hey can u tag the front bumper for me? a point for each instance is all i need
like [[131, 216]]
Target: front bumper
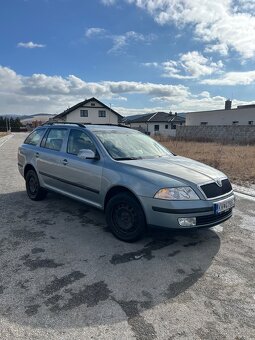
[[165, 214]]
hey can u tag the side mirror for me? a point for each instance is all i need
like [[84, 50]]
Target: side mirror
[[87, 154]]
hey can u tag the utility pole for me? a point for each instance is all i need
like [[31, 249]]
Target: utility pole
[[8, 124]]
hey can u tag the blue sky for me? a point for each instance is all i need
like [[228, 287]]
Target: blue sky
[[135, 55]]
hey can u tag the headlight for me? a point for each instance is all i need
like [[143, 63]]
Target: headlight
[[179, 193]]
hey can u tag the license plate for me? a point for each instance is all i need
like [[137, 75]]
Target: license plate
[[225, 205]]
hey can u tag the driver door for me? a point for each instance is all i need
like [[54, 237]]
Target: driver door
[[82, 176]]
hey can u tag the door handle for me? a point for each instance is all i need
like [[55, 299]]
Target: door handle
[[37, 154], [65, 162]]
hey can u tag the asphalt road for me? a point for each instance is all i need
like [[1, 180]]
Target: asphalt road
[[64, 276]]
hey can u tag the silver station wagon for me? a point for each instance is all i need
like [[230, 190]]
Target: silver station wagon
[[134, 179]]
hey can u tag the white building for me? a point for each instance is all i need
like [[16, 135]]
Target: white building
[[242, 115], [90, 111], [157, 123]]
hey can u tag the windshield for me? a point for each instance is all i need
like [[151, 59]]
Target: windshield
[[130, 145]]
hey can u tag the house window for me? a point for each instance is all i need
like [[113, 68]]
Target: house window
[[93, 104], [235, 122], [156, 127], [166, 126], [84, 113], [250, 122], [101, 113], [204, 123], [173, 126]]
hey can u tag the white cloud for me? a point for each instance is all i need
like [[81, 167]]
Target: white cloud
[[119, 41], [244, 6], [227, 22], [108, 2], [191, 65], [232, 78], [222, 49], [153, 64], [94, 31], [30, 44], [53, 94]]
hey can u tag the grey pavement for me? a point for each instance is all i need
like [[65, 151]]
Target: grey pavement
[[64, 276]]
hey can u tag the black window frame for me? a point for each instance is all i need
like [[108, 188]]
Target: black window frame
[[166, 126], [100, 115], [156, 129], [84, 111]]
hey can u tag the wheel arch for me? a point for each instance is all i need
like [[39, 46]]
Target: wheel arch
[[121, 189], [27, 168]]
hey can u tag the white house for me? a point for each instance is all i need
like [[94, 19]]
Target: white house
[[157, 123], [242, 115], [90, 111]]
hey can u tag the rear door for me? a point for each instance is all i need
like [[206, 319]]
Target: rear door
[[50, 157]]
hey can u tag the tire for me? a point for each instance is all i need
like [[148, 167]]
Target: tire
[[34, 191], [125, 217]]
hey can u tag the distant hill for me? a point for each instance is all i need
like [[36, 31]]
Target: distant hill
[[35, 115], [22, 116]]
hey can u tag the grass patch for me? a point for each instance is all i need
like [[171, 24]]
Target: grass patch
[[236, 161]]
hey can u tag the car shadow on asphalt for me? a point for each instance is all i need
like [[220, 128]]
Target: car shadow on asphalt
[[61, 268]]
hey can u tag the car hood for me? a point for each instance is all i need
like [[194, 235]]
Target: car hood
[[180, 168]]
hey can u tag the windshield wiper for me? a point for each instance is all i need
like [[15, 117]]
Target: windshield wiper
[[127, 158]]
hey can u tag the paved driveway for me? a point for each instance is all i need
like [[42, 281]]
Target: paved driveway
[[64, 276]]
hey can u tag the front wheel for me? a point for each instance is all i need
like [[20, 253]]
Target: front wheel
[[125, 217], [34, 191]]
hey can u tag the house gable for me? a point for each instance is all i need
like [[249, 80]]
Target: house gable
[[93, 110]]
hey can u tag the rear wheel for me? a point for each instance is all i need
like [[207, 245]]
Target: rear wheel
[[34, 191], [125, 217]]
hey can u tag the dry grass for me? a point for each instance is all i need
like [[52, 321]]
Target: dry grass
[[2, 134], [236, 161]]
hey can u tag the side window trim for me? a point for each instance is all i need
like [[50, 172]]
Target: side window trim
[[43, 141]]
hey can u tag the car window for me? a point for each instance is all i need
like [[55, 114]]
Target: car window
[[79, 140], [55, 139], [34, 137]]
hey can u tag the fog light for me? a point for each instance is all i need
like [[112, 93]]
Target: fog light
[[187, 221]]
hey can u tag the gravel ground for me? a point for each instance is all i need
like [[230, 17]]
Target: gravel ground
[[64, 276]]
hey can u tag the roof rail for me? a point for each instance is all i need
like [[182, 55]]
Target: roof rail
[[65, 123]]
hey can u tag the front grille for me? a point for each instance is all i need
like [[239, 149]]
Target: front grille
[[213, 190], [208, 219]]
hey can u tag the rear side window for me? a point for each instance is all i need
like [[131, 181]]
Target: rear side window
[[55, 139], [34, 137]]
